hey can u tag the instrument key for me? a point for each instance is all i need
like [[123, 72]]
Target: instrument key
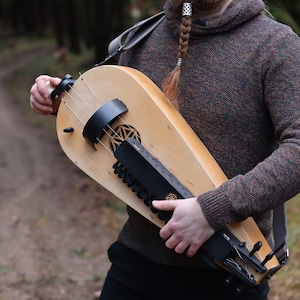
[[256, 248]]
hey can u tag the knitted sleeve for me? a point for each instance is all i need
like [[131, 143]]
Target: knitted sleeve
[[277, 178]]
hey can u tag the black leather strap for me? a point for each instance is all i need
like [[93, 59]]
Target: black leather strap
[[132, 36]]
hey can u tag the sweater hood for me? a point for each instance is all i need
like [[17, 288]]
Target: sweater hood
[[237, 13]]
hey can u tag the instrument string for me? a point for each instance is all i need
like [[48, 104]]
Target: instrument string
[[103, 102], [86, 108], [90, 88], [76, 100], [79, 99], [76, 103], [80, 104], [86, 105], [73, 112], [105, 147]]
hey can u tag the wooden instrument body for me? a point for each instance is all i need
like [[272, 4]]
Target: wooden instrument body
[[163, 132]]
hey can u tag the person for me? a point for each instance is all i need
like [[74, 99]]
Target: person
[[235, 78]]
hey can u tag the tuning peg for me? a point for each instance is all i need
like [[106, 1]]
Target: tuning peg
[[268, 257], [256, 248]]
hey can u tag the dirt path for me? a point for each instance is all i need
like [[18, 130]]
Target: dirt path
[[55, 224]]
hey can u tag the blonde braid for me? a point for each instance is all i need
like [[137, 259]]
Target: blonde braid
[[170, 85]]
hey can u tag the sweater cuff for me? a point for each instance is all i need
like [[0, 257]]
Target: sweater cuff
[[216, 208]]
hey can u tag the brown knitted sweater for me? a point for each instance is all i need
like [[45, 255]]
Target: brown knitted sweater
[[240, 92]]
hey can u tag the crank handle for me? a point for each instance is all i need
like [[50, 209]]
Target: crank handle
[[56, 92]]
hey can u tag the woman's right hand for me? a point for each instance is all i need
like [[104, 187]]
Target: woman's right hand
[[40, 100]]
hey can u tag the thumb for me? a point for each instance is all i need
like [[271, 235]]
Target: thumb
[[54, 81], [165, 205]]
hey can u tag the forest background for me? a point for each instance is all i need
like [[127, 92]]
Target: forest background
[[55, 222], [79, 24]]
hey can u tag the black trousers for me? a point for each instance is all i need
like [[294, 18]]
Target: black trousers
[[133, 277]]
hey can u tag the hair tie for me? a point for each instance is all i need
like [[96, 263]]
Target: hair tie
[[179, 62], [187, 9]]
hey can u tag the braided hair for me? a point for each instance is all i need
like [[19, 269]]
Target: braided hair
[[170, 85]]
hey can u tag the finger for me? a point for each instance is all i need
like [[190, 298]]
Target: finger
[[165, 205], [40, 84], [42, 87], [181, 247], [40, 108], [41, 99], [51, 84], [55, 81], [192, 250], [36, 97], [168, 232], [39, 93]]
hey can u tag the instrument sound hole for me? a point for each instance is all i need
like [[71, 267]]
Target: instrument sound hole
[[122, 133]]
